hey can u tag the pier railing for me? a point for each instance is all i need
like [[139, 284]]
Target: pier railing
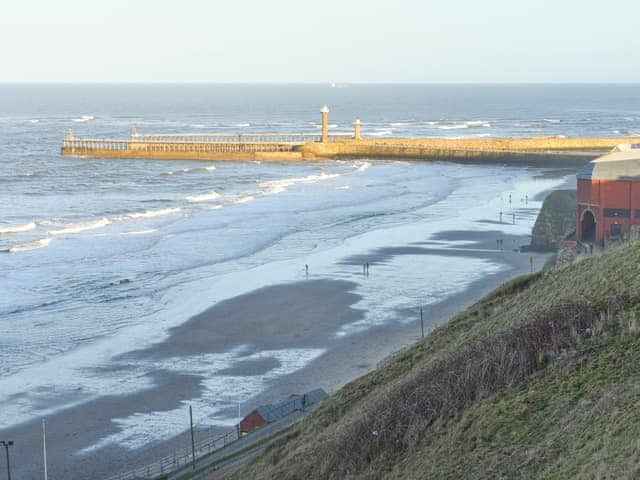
[[194, 143], [80, 146], [94, 144], [293, 138], [179, 460]]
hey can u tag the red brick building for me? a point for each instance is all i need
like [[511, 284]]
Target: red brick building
[[609, 196]]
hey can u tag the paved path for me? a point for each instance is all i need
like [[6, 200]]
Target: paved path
[[241, 444]]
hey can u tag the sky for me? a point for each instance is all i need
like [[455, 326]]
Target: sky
[[432, 41]]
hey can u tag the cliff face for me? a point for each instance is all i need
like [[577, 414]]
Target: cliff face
[[537, 380], [557, 219]]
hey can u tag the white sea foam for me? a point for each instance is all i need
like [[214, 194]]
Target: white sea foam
[[34, 120], [551, 120], [242, 125], [382, 133], [83, 118], [215, 207], [453, 125], [154, 213], [243, 199], [198, 125], [362, 166], [8, 229], [219, 393], [140, 232], [204, 197], [25, 247], [478, 123], [210, 168], [273, 187], [400, 124], [81, 227]]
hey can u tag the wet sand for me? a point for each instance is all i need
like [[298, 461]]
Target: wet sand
[[301, 314]]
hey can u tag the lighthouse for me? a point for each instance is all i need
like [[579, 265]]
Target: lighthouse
[[325, 124]]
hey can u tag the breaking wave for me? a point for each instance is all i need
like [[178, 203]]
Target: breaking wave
[[140, 232], [154, 213], [25, 247], [83, 118], [204, 197], [243, 199], [361, 167], [274, 187], [478, 123], [382, 133], [17, 228], [81, 227]]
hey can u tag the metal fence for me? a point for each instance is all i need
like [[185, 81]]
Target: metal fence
[[178, 460]]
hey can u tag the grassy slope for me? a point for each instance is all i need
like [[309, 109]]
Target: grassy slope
[[578, 417]]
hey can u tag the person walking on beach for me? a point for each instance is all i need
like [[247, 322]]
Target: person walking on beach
[[367, 269], [514, 218], [306, 269], [509, 198], [500, 217]]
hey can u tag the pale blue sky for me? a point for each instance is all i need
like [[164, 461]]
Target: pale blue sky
[[320, 41]]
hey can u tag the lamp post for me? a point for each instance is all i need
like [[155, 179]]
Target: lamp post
[[6, 444]]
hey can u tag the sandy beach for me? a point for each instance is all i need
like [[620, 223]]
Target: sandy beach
[[275, 330], [305, 314]]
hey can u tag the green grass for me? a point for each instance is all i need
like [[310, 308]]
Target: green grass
[[251, 446], [576, 418]]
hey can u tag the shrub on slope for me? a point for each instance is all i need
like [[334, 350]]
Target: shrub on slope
[[524, 341]]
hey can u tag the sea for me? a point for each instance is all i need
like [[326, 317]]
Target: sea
[[102, 257]]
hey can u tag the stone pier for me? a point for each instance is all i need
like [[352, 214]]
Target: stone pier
[[309, 146]]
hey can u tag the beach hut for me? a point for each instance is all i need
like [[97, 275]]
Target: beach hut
[[269, 413], [609, 196]]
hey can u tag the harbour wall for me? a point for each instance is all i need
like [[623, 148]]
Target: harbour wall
[[538, 151], [169, 154]]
